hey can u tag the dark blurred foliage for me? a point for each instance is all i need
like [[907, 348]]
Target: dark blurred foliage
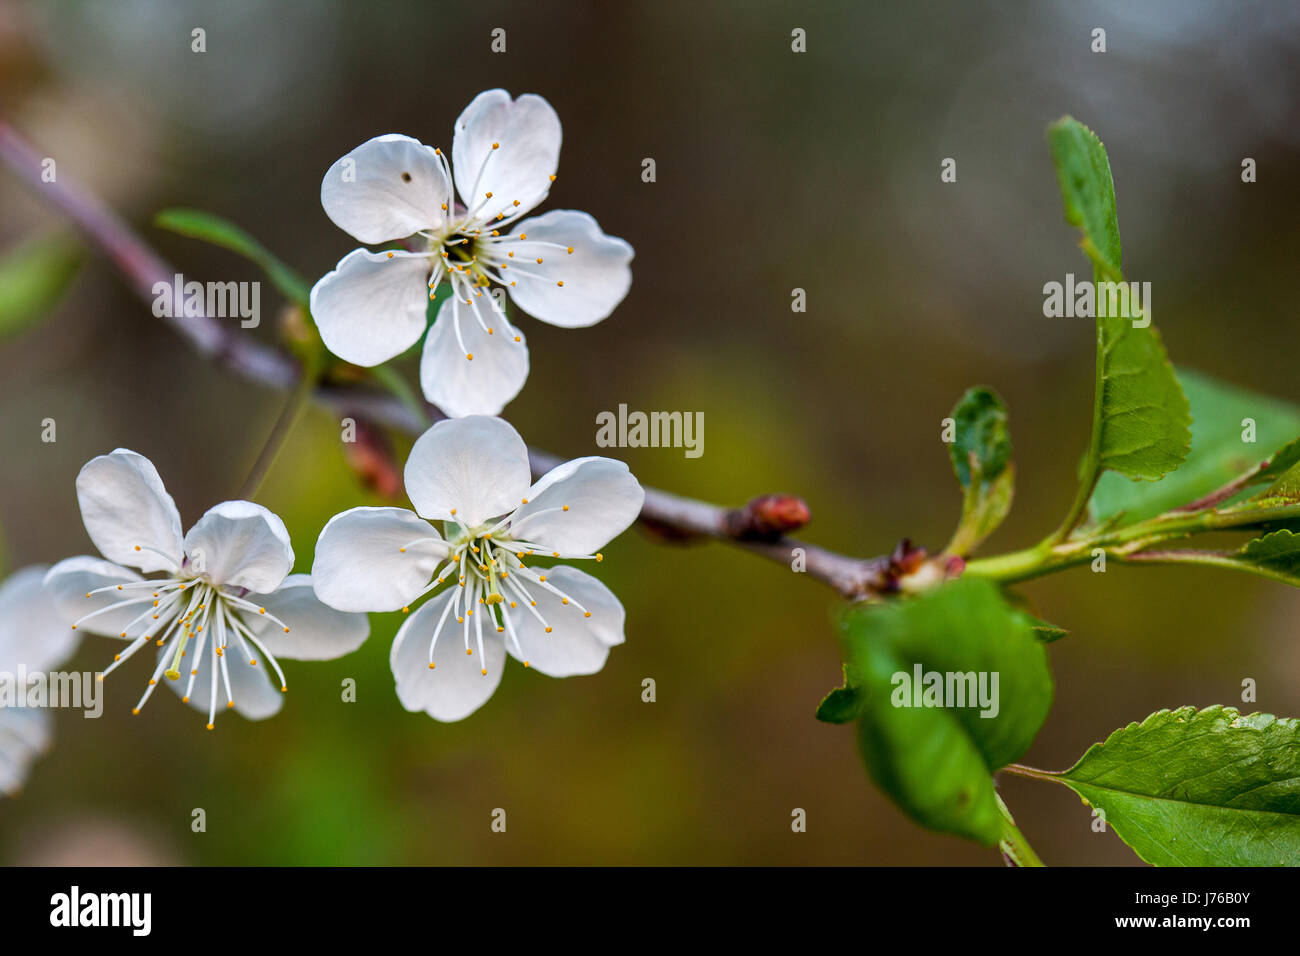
[[775, 170]]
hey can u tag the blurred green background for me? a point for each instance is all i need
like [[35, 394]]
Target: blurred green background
[[775, 170]]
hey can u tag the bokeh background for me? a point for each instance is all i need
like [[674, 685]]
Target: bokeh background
[[775, 170]]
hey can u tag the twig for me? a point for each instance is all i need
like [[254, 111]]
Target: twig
[[673, 516]]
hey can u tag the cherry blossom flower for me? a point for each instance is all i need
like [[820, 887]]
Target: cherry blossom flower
[[559, 267], [225, 591], [471, 475], [32, 637]]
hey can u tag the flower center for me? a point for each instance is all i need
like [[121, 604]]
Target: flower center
[[493, 578], [185, 613]]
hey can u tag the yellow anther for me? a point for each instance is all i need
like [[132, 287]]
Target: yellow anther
[[552, 177], [548, 630], [432, 665], [560, 283], [469, 356], [496, 145], [390, 255], [586, 614], [570, 250], [210, 727], [564, 507]]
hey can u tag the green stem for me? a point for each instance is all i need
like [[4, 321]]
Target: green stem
[[1046, 558], [1091, 471], [280, 432], [1013, 844]]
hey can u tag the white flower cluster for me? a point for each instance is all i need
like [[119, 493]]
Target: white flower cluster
[[219, 606]]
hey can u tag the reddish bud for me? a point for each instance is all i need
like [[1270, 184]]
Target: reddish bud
[[372, 459], [768, 516]]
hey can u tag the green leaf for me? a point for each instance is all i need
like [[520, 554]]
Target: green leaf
[[937, 762], [197, 224], [1281, 470], [1140, 415], [981, 460], [1218, 454], [33, 277], [1087, 190], [839, 706], [981, 445], [1199, 788], [1047, 633]]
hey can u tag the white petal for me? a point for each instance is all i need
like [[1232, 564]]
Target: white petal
[[240, 544], [127, 512], [602, 496], [32, 631], [316, 632], [360, 565], [527, 136], [254, 688], [576, 644], [595, 276], [387, 188], [457, 686], [25, 733], [70, 580], [479, 386], [467, 470], [372, 308]]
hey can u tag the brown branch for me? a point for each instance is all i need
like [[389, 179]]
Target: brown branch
[[671, 516]]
